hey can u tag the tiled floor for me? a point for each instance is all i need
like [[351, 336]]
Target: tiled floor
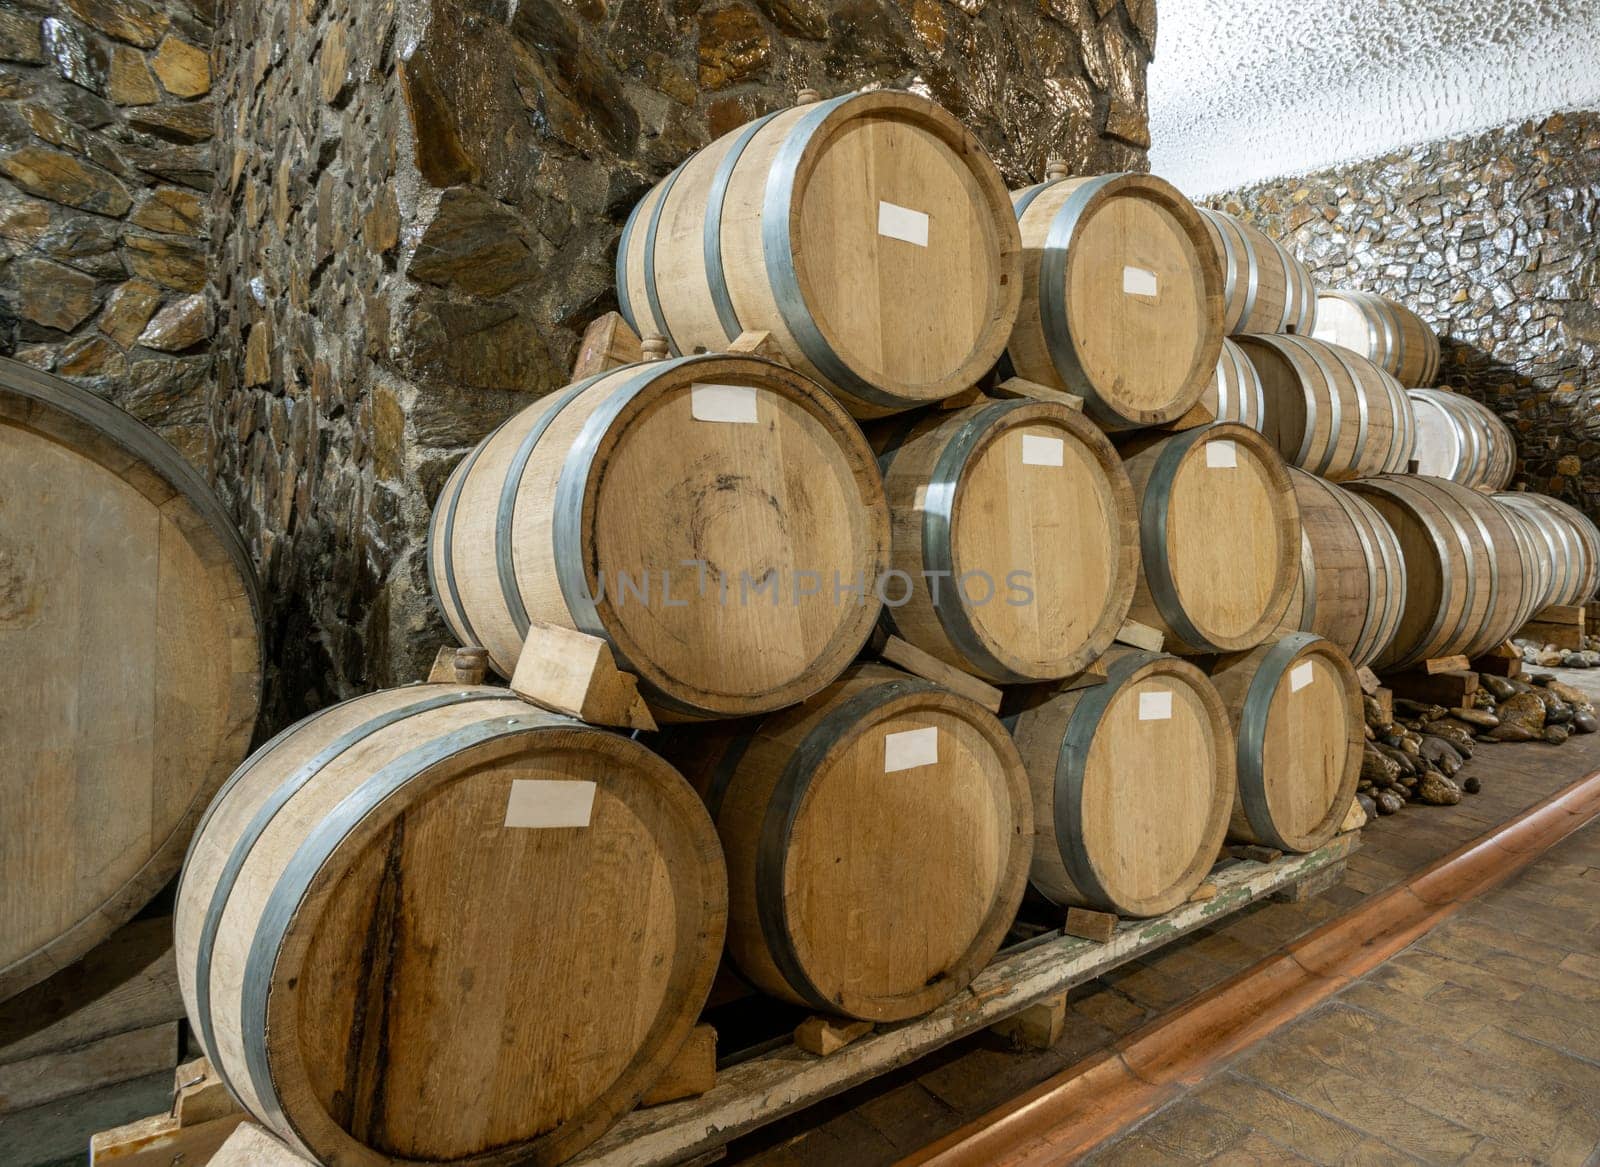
[[883, 1120]]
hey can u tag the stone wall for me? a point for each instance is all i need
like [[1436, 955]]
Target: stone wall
[[417, 215], [1495, 241], [105, 165]]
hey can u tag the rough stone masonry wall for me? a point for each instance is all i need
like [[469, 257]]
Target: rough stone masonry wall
[[1495, 241], [105, 165], [417, 212]]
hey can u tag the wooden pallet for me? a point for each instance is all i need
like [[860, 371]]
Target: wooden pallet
[[753, 1092]]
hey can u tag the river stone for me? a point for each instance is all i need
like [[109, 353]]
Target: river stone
[[1555, 734], [1584, 721], [1471, 785], [1437, 790], [1523, 709], [1388, 802], [1498, 686], [1377, 766]]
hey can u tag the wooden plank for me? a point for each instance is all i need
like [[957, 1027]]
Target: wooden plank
[[1563, 632], [755, 1092], [61, 1074], [162, 1141], [251, 1146], [930, 668], [1015, 387], [1141, 636], [1561, 614], [1441, 688]]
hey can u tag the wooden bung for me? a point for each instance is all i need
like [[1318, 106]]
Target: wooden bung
[[718, 520], [1295, 707], [1219, 536], [1133, 784], [1385, 332], [130, 638], [1330, 411], [1014, 528], [1462, 440], [1121, 297], [1264, 287], [1468, 586], [877, 839], [1352, 584], [398, 914], [870, 234]]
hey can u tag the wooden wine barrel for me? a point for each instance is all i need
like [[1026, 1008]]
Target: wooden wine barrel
[[1467, 586], [695, 513], [1330, 411], [1014, 536], [870, 234], [1462, 440], [1264, 287], [130, 639], [1352, 583], [1133, 783], [1121, 296], [1235, 392], [1389, 334], [1565, 541], [1219, 537], [877, 839], [438, 925], [1296, 711]]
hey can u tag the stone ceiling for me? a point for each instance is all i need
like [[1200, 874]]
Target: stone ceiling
[[1245, 90]]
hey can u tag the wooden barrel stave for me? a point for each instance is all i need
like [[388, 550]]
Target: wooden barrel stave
[[720, 246], [130, 627], [1235, 393], [965, 499], [404, 805], [1133, 784], [1139, 353], [521, 531], [1265, 288], [1296, 712], [1385, 332], [1462, 440], [1565, 539]]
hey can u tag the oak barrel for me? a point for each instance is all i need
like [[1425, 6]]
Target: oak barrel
[[1219, 537], [1565, 541], [1468, 585], [877, 839], [130, 643], [1121, 297], [1015, 545], [1133, 783], [1331, 411], [1462, 440], [1235, 393], [438, 925], [870, 234], [1387, 333], [1265, 288], [1352, 584], [1296, 712], [700, 514]]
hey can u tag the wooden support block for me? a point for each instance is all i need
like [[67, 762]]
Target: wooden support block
[[691, 1073], [1504, 660], [162, 1141], [1354, 819], [825, 1035], [961, 400], [608, 343], [930, 668], [569, 672], [199, 1094], [1312, 885], [1037, 1027], [1560, 614], [1443, 664], [1206, 891], [1141, 636], [758, 344], [1447, 688], [1088, 925], [1015, 387], [1095, 674], [1255, 854], [251, 1146], [1199, 414], [61, 1074], [1385, 699], [1561, 625], [459, 666], [1369, 681]]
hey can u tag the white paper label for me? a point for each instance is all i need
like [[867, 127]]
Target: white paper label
[[1038, 451], [1136, 281], [911, 748], [1221, 455], [1300, 676], [537, 802], [735, 403], [902, 223], [1155, 706]]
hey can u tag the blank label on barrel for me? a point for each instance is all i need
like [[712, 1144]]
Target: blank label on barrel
[[1138, 281], [1155, 706], [539, 802], [1042, 451], [1221, 455], [1300, 676], [902, 223], [731, 403], [910, 748]]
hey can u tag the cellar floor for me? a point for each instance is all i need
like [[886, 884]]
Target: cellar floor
[[1555, 899]]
